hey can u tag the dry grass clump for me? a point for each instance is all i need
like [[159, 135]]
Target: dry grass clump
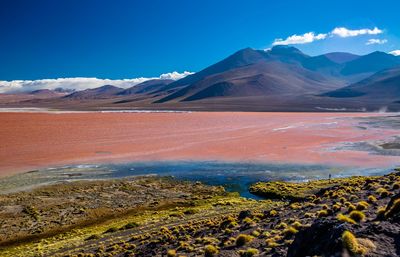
[[336, 207], [295, 206], [350, 242], [248, 221], [243, 239], [343, 218], [396, 186], [297, 225], [357, 246], [350, 206], [371, 199], [171, 253], [325, 207], [249, 252], [281, 225], [357, 216], [394, 209], [273, 213], [382, 192], [255, 233], [362, 205], [380, 213], [210, 250], [322, 213], [308, 215], [290, 231], [271, 243], [229, 222]]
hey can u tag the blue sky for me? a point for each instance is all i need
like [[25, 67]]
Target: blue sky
[[128, 39]]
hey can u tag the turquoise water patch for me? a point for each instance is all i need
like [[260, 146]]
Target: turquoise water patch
[[234, 176]]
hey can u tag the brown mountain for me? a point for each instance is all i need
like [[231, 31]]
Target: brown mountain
[[46, 93], [282, 71], [148, 86], [282, 78], [274, 79], [107, 91]]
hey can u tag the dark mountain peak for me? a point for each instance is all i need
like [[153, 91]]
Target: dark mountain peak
[[283, 49], [371, 63], [288, 54], [378, 53], [105, 88], [246, 50], [238, 59], [246, 56]]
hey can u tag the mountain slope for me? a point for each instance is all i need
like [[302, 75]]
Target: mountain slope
[[146, 87], [382, 85], [46, 93], [260, 79], [370, 63], [240, 58], [341, 57], [102, 92]]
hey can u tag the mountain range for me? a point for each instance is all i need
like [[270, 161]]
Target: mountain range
[[279, 79]]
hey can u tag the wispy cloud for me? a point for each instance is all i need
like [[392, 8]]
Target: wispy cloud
[[375, 41], [341, 32], [300, 39], [175, 75], [345, 32], [395, 52], [79, 83]]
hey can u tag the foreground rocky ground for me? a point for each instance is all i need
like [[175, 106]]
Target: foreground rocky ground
[[152, 216]]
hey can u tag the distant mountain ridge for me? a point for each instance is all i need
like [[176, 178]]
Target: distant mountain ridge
[[341, 57], [95, 93], [303, 71], [382, 85], [281, 78]]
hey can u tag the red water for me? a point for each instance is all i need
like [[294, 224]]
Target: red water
[[37, 140]]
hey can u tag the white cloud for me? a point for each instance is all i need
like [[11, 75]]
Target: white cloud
[[375, 41], [79, 83], [338, 32], [175, 75], [395, 52], [299, 39], [345, 32]]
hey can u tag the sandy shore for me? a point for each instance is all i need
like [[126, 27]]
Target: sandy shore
[[37, 140]]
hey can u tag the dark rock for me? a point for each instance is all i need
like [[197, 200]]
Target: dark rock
[[245, 214], [323, 238]]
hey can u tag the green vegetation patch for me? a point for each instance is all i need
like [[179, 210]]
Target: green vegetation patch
[[299, 191]]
